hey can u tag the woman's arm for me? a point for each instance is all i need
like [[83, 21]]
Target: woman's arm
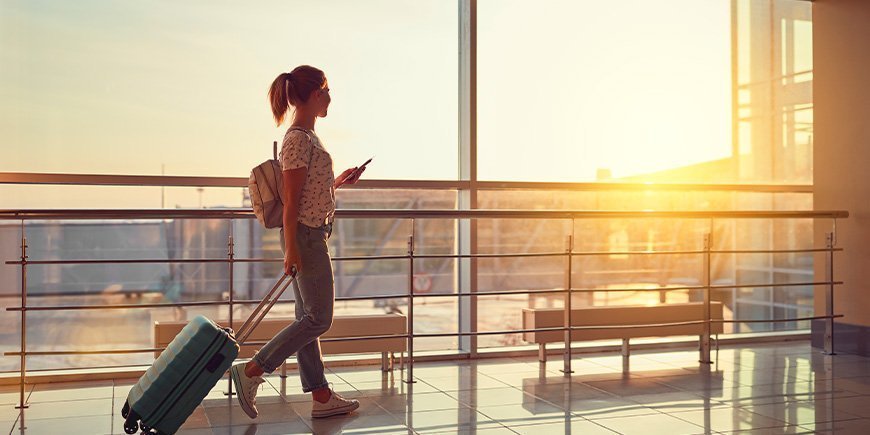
[[293, 180]]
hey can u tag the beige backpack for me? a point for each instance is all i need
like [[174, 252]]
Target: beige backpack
[[266, 188]]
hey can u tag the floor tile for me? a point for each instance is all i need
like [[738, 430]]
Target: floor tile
[[632, 387], [72, 408], [419, 402], [791, 429], [85, 425], [652, 424], [518, 415], [845, 427], [463, 383], [799, 413], [675, 402], [727, 419], [574, 426], [608, 408], [67, 391], [491, 397], [445, 420]]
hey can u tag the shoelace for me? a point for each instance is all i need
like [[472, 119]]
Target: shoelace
[[252, 388]]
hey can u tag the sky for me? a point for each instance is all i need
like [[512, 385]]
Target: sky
[[565, 88]]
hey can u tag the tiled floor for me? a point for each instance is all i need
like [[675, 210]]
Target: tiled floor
[[788, 388]]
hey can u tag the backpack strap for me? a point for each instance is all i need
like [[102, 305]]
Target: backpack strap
[[310, 149]]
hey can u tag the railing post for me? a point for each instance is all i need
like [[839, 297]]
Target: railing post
[[410, 377], [705, 336], [566, 369], [829, 294], [231, 262], [23, 347]]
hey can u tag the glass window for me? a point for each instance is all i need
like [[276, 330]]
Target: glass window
[[631, 90], [180, 88]]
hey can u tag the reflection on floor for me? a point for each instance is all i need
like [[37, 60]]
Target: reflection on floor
[[786, 388]]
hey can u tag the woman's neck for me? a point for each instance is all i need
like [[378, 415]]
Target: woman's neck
[[303, 120]]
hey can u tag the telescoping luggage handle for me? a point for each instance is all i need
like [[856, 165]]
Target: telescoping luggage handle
[[260, 313]]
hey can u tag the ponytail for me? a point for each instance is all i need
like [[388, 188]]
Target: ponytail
[[294, 88], [278, 97]]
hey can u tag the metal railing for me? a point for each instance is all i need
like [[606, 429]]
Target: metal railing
[[413, 215]]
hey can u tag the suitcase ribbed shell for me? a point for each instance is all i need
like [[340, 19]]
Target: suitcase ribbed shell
[[172, 388]]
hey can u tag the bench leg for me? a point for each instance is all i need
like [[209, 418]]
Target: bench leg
[[284, 370], [384, 362], [542, 352], [626, 350], [392, 361], [401, 361]]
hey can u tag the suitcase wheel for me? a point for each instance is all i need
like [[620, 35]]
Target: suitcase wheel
[[131, 422], [130, 426], [125, 411]]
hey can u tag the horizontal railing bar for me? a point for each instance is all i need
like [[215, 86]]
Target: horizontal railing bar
[[507, 255], [596, 253], [778, 251], [628, 289], [115, 306], [187, 304], [787, 284], [796, 319], [573, 328], [158, 349], [84, 352], [495, 293], [242, 182], [430, 335], [244, 213], [416, 295], [143, 261], [424, 256]]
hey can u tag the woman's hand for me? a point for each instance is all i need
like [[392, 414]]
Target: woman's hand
[[292, 260], [349, 176]]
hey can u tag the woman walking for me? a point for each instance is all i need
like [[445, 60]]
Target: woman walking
[[309, 184]]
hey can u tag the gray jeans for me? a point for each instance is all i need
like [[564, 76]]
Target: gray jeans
[[315, 297]]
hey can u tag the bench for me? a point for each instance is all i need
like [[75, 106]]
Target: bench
[[617, 315], [342, 327]]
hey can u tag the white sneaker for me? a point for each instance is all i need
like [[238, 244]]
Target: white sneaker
[[334, 406], [246, 389]]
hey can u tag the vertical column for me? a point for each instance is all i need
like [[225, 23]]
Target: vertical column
[[231, 264], [21, 400], [829, 294], [410, 377], [705, 336], [466, 231], [566, 355]]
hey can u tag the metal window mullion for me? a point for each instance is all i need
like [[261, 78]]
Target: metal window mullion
[[23, 344], [467, 228]]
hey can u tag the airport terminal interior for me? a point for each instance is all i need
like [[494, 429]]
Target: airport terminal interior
[[674, 188]]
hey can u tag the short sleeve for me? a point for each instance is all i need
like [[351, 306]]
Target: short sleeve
[[295, 151]]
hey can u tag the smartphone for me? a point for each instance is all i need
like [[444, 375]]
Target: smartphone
[[359, 168]]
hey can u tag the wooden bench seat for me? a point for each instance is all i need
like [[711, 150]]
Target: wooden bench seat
[[342, 327], [617, 315]]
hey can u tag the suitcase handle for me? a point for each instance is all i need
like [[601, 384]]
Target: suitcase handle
[[260, 313]]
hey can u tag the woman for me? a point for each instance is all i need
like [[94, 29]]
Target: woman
[[310, 188]]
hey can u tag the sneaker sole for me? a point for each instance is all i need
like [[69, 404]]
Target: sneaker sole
[[242, 401], [336, 411]]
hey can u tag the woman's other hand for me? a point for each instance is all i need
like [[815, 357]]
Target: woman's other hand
[[292, 260], [349, 176]]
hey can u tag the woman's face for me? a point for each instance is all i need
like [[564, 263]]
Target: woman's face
[[322, 100]]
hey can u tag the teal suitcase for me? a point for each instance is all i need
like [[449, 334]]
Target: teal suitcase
[[185, 372]]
